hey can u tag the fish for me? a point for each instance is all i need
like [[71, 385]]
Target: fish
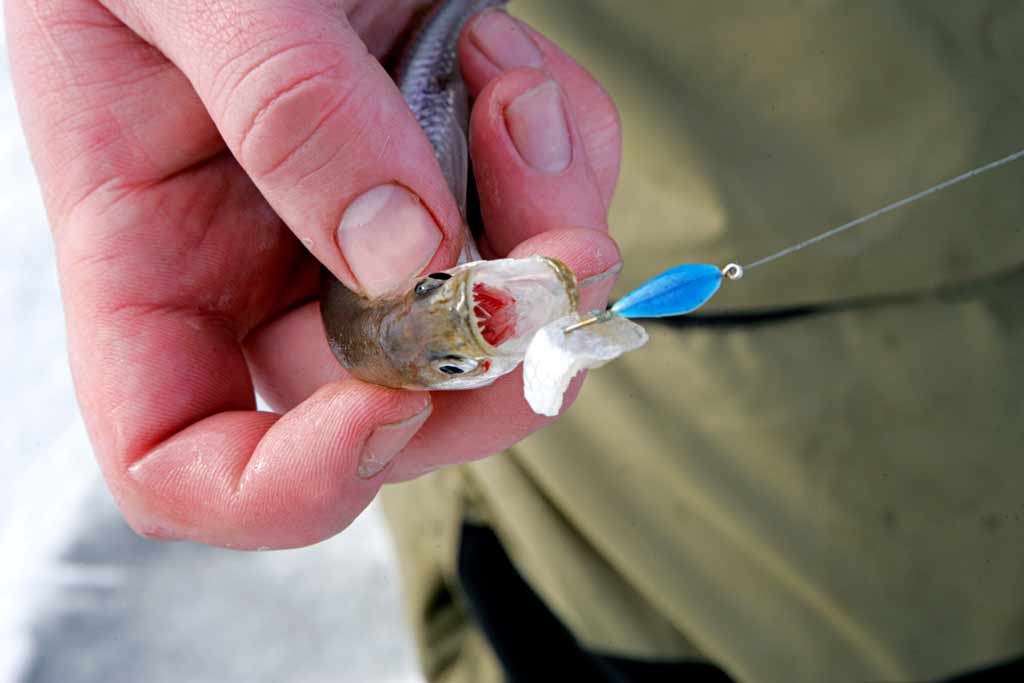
[[464, 327]]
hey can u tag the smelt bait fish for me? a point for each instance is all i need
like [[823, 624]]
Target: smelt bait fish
[[464, 327]]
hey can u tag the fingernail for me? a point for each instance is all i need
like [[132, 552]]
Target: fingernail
[[387, 238], [536, 122], [504, 42], [387, 441], [595, 290]]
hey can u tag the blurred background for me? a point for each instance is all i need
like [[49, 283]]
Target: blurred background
[[82, 598]]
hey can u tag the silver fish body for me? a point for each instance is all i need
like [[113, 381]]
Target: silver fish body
[[430, 80], [464, 327]]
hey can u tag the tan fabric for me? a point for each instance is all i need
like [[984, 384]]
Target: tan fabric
[[833, 494], [425, 516], [750, 125], [832, 497]]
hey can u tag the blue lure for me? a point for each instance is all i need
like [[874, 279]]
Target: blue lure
[[677, 291]]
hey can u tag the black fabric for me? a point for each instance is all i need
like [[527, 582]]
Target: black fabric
[[533, 645], [529, 640], [1008, 671]]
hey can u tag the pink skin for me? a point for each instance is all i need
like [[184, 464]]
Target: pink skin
[[185, 282]]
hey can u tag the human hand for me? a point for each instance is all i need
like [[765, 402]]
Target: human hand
[[189, 151]]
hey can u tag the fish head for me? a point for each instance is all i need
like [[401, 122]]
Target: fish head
[[465, 327]]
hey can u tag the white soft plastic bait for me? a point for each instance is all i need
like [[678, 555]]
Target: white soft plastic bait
[[555, 356]]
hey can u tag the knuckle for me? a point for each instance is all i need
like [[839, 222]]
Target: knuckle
[[603, 122], [278, 103], [603, 141]]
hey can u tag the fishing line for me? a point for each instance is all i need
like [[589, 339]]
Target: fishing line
[[874, 214], [686, 288]]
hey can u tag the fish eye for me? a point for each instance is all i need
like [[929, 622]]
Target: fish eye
[[455, 365], [430, 283]]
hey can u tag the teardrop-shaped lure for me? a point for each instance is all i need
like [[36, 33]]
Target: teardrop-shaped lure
[[677, 291]]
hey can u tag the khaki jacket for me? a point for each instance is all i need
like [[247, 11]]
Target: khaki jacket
[[831, 496]]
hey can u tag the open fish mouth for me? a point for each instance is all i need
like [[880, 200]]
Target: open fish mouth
[[510, 299], [494, 313]]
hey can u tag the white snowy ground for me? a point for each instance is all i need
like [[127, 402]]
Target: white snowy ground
[[82, 599]]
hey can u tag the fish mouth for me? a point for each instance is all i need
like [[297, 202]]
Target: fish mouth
[[510, 299]]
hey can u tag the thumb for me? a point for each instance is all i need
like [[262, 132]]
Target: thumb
[[319, 126]]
